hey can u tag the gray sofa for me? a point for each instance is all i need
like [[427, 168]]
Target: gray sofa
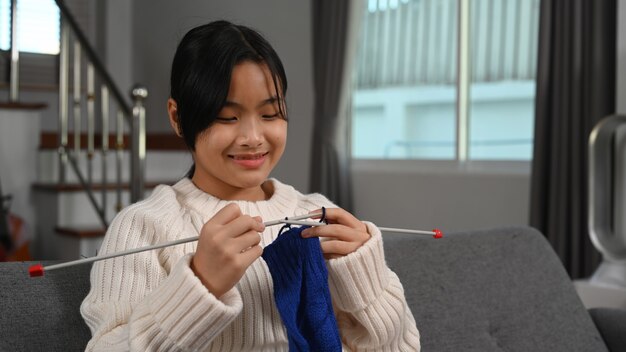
[[492, 290]]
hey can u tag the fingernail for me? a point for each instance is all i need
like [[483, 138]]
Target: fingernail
[[305, 233]]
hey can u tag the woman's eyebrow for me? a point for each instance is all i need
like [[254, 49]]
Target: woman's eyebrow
[[268, 101]]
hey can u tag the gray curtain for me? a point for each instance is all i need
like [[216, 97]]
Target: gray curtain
[[333, 50], [575, 89]]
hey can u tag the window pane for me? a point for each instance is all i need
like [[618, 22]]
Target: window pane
[[503, 68], [430, 131], [38, 26], [405, 74], [404, 123], [5, 24]]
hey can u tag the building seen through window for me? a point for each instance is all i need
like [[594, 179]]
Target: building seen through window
[[405, 75]]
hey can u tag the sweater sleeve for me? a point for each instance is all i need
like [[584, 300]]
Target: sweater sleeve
[[371, 309], [138, 303]]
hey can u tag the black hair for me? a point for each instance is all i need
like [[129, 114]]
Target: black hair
[[202, 69]]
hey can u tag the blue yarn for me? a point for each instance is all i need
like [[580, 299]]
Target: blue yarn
[[301, 292]]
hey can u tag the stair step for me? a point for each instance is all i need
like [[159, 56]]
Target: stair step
[[164, 165], [80, 232], [23, 106], [154, 141], [77, 187]]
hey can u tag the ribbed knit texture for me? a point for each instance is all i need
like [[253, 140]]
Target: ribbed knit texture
[[301, 292], [152, 301]]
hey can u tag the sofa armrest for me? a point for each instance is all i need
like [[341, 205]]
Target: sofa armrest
[[611, 323]]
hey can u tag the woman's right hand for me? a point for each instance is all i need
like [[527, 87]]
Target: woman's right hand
[[228, 245]]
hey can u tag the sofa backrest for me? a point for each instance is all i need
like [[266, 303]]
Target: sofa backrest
[[494, 290], [42, 313]]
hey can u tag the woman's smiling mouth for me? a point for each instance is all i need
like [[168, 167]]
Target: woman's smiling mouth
[[249, 161]]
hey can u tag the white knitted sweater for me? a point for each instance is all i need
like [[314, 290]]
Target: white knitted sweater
[[152, 301]]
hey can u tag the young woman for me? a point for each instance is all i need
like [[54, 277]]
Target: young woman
[[227, 102]]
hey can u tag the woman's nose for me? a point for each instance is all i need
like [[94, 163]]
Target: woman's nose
[[250, 133]]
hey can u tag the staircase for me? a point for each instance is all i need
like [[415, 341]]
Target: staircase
[[96, 163], [68, 226]]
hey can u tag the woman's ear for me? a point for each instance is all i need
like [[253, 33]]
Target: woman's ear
[[172, 112]]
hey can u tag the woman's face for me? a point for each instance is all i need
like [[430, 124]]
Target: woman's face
[[236, 154]]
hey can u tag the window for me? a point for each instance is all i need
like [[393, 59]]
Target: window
[[38, 42], [405, 78], [38, 26]]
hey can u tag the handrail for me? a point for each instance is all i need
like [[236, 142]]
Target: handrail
[[603, 235], [93, 57]]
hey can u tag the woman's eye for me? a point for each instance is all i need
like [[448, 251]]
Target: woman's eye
[[226, 119], [270, 116]]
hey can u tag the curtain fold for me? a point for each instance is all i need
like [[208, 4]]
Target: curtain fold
[[575, 89], [336, 25]]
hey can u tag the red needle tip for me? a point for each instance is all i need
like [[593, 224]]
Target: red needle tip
[[35, 270], [438, 233]]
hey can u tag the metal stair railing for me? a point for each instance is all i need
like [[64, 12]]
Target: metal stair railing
[[74, 45], [73, 41]]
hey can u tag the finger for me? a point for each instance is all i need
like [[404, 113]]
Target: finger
[[249, 256], [245, 241], [244, 224], [227, 214], [340, 216], [336, 231], [334, 248]]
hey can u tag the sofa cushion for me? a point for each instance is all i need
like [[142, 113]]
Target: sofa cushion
[[491, 290], [42, 313], [612, 325]]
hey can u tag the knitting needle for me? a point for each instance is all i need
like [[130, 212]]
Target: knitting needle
[[436, 233], [38, 269]]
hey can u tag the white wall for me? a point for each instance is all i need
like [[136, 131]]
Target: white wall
[[18, 156], [159, 25], [119, 44], [441, 195]]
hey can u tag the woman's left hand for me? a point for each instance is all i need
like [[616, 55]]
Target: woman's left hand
[[344, 233]]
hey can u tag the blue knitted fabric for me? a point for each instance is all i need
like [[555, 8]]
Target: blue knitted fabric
[[301, 292]]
